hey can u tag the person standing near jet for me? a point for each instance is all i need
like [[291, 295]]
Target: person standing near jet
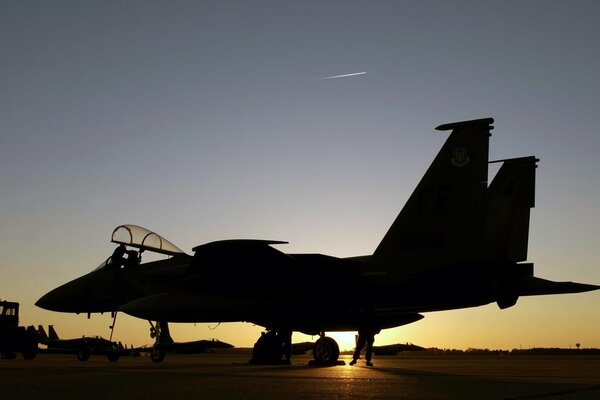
[[365, 337], [118, 256], [133, 258]]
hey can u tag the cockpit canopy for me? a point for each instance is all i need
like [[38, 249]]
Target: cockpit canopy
[[144, 239], [140, 238]]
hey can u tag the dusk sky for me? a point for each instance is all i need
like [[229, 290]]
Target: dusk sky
[[208, 120]]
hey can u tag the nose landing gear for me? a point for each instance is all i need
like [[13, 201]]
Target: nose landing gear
[[162, 340]]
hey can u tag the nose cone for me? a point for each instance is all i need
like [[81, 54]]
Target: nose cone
[[89, 293], [70, 297], [52, 301]]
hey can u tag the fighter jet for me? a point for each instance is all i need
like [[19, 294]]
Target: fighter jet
[[394, 349], [82, 347], [458, 242], [194, 347]]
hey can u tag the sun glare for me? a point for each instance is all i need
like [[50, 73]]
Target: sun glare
[[346, 340]]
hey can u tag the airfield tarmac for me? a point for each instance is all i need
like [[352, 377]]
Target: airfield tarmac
[[227, 375]]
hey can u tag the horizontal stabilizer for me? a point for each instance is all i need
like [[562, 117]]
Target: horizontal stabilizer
[[532, 286]]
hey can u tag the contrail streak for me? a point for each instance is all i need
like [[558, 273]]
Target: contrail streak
[[344, 76]]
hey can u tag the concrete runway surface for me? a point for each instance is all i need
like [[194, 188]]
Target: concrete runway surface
[[227, 375]]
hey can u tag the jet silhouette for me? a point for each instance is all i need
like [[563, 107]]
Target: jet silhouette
[[458, 242], [82, 347]]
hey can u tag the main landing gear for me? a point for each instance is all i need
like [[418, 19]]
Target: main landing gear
[[326, 350], [275, 347]]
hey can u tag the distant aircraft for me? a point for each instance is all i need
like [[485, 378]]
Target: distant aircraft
[[198, 346], [195, 347], [393, 349], [82, 347], [386, 350], [344, 75], [457, 242]]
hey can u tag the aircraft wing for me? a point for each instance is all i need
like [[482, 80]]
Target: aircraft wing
[[532, 286], [240, 254], [236, 244]]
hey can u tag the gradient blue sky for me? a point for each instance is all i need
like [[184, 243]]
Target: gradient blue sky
[[209, 120]]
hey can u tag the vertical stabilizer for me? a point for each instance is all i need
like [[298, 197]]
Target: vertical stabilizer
[[511, 196], [443, 220], [52, 333], [42, 334]]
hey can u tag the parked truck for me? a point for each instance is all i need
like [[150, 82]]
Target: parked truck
[[14, 338]]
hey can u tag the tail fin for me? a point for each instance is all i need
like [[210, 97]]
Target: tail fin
[[443, 220], [52, 332], [511, 196], [42, 333]]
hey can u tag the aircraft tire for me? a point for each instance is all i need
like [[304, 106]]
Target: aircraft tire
[[29, 347], [326, 351], [83, 354], [29, 354], [113, 357], [157, 354]]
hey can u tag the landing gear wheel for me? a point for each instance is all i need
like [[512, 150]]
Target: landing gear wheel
[[29, 346], [30, 353], [83, 354], [268, 349], [157, 354], [113, 357], [326, 351]]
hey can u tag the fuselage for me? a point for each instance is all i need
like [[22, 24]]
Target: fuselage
[[305, 292]]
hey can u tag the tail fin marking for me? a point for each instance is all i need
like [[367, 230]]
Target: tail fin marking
[[443, 220]]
